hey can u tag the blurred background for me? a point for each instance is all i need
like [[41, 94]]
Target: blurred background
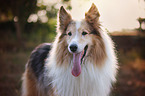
[[24, 24]]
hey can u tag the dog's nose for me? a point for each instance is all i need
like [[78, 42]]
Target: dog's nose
[[73, 47]]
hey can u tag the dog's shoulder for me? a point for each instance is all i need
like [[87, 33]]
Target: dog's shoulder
[[37, 59]]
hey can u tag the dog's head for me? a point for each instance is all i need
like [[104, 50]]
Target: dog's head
[[82, 37]]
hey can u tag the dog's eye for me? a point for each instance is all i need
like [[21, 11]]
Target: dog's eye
[[84, 33], [69, 33]]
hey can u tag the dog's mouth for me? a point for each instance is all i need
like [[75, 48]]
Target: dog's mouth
[[78, 59], [84, 53]]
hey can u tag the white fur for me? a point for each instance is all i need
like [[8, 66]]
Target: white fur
[[78, 24], [24, 87], [76, 39], [91, 82]]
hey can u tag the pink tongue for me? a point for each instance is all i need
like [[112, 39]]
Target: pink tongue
[[76, 70]]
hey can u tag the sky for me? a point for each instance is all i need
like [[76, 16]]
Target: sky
[[115, 14]]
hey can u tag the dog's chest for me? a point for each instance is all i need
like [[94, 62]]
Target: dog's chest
[[89, 83]]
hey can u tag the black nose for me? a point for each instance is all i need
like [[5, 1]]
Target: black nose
[[73, 47]]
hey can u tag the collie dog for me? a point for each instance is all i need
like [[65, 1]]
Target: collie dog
[[80, 62]]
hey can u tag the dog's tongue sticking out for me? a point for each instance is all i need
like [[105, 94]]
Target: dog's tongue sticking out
[[76, 70]]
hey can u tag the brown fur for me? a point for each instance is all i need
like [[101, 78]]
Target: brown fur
[[62, 54], [97, 52], [92, 17], [30, 83], [64, 19]]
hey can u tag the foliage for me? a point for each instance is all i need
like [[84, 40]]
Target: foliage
[[18, 12]]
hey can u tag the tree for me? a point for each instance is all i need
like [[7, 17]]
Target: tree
[[20, 10]]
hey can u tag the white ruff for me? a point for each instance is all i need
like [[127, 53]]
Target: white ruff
[[92, 81]]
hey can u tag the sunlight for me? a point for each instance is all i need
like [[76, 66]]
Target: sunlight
[[43, 19], [115, 14], [79, 7], [15, 19], [47, 2], [41, 12], [41, 15], [32, 18]]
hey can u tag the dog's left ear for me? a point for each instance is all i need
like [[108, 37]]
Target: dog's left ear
[[92, 16], [64, 19]]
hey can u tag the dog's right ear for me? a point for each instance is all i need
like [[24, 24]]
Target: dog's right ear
[[64, 19]]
